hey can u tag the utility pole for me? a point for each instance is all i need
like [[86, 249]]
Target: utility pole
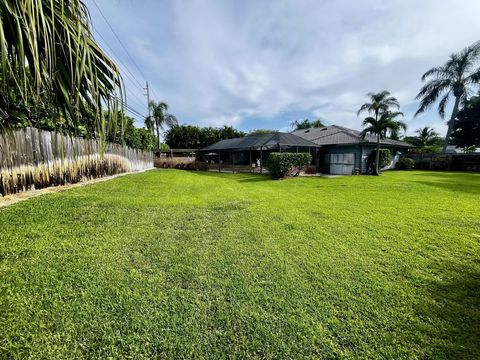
[[147, 89]]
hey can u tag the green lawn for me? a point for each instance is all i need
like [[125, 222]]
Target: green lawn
[[181, 264]]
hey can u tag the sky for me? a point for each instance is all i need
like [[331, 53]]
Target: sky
[[261, 64]]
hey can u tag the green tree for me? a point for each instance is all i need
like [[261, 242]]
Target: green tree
[[261, 131], [160, 118], [150, 124], [131, 136], [380, 105], [306, 124], [51, 63], [147, 139], [427, 140], [195, 137], [466, 130], [426, 136], [378, 127], [454, 78]]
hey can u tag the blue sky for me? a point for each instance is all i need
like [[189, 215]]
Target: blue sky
[[262, 64]]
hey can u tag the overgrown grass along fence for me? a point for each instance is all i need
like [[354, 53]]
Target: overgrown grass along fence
[[177, 162], [33, 159]]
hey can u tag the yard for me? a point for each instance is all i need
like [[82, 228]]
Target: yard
[[181, 264]]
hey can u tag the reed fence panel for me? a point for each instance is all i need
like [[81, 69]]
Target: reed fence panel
[[31, 158]]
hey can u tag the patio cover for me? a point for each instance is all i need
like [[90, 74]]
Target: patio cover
[[262, 141]]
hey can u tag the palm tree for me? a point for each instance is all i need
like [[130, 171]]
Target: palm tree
[[49, 56], [426, 136], [149, 124], [160, 118], [455, 77], [306, 124], [379, 127], [379, 103]]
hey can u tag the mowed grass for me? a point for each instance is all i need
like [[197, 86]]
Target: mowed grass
[[175, 264]]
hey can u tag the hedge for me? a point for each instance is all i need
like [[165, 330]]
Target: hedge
[[406, 164], [285, 164]]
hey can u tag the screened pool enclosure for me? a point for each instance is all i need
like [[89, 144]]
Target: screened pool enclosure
[[250, 153]]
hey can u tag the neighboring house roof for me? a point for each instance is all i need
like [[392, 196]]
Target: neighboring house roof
[[266, 141], [339, 135], [453, 149]]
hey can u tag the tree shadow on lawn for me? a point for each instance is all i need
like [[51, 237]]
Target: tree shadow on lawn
[[457, 311], [239, 177], [466, 182]]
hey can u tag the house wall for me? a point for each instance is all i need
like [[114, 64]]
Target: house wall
[[366, 150], [347, 149], [361, 153]]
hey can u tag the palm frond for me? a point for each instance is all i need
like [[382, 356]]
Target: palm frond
[[438, 72], [369, 121], [474, 77], [379, 102], [442, 104], [366, 131], [364, 107], [453, 77], [48, 51], [430, 92]]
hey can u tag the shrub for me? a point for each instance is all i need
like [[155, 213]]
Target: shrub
[[385, 159], [185, 163], [406, 164], [441, 162], [285, 164]]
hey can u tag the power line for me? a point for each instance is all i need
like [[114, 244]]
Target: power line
[[154, 93], [121, 43], [130, 108], [122, 65], [118, 60], [137, 97], [137, 101], [135, 112], [126, 51]]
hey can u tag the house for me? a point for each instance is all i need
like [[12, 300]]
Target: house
[[453, 149], [342, 150], [245, 153]]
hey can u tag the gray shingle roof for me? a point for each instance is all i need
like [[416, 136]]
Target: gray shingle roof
[[339, 135], [266, 141]]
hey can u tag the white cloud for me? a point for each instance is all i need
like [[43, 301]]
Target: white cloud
[[245, 63]]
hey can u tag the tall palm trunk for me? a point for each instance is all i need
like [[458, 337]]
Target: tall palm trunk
[[158, 137], [450, 123], [377, 156]]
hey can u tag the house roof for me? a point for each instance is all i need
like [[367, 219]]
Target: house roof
[[266, 141], [453, 149], [339, 135]]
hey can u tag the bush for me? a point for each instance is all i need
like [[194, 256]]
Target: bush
[[285, 164], [406, 164], [184, 163], [385, 159]]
